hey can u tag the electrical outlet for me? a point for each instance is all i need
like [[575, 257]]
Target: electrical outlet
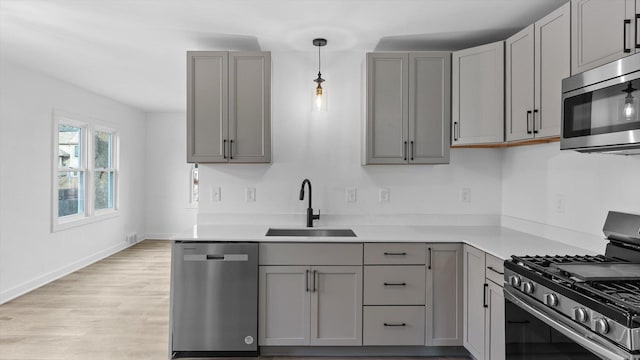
[[559, 203], [351, 194], [384, 195], [250, 194], [131, 238], [216, 194], [465, 195]]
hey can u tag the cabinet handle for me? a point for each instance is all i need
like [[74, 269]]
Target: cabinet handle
[[535, 111], [224, 148], [528, 121], [392, 324], [306, 280], [429, 259], [636, 31], [624, 35], [314, 280], [404, 151], [518, 322], [412, 150], [230, 149], [395, 254], [484, 295], [494, 270], [395, 284], [455, 132]]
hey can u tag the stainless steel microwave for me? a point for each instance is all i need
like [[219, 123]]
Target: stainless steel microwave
[[601, 109]]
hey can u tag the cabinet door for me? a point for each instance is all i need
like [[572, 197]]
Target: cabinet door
[[478, 94], [444, 295], [429, 107], [474, 301], [207, 95], [598, 32], [336, 305], [250, 107], [519, 88], [387, 104], [494, 329], [284, 305], [552, 60]]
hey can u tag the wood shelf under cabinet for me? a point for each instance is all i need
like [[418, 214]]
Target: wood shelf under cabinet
[[509, 144]]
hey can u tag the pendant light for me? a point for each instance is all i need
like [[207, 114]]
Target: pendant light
[[319, 94], [628, 109]]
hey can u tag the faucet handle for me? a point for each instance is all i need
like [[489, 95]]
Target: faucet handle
[[317, 217]]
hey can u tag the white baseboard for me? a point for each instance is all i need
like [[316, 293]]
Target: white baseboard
[[159, 236], [33, 284]]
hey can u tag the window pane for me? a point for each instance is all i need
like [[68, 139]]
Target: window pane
[[102, 143], [69, 151], [104, 190], [70, 193]]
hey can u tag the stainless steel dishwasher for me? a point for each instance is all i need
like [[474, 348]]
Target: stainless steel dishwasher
[[214, 299]]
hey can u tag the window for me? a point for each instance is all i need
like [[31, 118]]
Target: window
[[85, 172], [195, 190]]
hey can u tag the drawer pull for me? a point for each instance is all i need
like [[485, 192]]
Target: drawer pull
[[395, 284], [494, 270], [392, 324], [395, 254]]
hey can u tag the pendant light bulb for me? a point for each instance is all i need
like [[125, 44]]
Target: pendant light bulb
[[629, 109], [319, 94]]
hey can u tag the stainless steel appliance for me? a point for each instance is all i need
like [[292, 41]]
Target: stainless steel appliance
[[600, 109], [577, 307], [214, 299]]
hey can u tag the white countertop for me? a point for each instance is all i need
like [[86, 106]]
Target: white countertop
[[495, 240]]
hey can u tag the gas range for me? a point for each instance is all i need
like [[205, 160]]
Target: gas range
[[596, 296]]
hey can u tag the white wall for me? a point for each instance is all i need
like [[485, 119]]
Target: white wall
[[168, 208], [30, 254], [325, 147], [536, 178]]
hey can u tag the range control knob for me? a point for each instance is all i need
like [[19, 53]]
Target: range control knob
[[551, 299], [580, 314], [528, 287], [514, 280], [602, 326]]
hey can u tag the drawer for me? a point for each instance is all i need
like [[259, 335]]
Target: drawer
[[404, 325], [394, 285], [395, 253], [495, 269], [310, 254]]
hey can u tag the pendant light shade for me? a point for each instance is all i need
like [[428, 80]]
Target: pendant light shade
[[319, 94]]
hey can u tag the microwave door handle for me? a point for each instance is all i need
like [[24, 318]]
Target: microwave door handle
[[584, 340]]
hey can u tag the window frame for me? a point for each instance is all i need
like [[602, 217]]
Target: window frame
[[87, 166]]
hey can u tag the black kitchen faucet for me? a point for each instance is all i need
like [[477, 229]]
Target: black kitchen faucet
[[310, 215]]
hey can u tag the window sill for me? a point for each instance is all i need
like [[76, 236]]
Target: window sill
[[64, 224]]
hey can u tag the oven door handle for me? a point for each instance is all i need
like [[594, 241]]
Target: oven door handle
[[581, 336]]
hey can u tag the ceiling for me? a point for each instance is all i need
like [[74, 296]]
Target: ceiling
[[134, 50]]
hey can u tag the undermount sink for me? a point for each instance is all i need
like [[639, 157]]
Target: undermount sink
[[311, 232]]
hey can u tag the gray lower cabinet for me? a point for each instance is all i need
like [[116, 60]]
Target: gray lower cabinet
[[444, 295], [393, 325], [310, 305], [408, 108], [228, 107], [474, 301], [494, 326]]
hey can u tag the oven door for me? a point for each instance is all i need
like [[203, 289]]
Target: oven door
[[532, 331]]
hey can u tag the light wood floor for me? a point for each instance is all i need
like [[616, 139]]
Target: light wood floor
[[115, 309]]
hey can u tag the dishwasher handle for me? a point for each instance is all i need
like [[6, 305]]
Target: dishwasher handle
[[216, 257]]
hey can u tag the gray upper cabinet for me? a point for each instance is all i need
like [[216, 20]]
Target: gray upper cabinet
[[478, 95], [602, 31], [537, 59], [408, 108], [444, 295], [228, 107]]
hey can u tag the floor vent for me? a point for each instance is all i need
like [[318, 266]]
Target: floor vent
[[132, 238]]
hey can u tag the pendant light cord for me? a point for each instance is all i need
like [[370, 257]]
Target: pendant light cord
[[319, 59]]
